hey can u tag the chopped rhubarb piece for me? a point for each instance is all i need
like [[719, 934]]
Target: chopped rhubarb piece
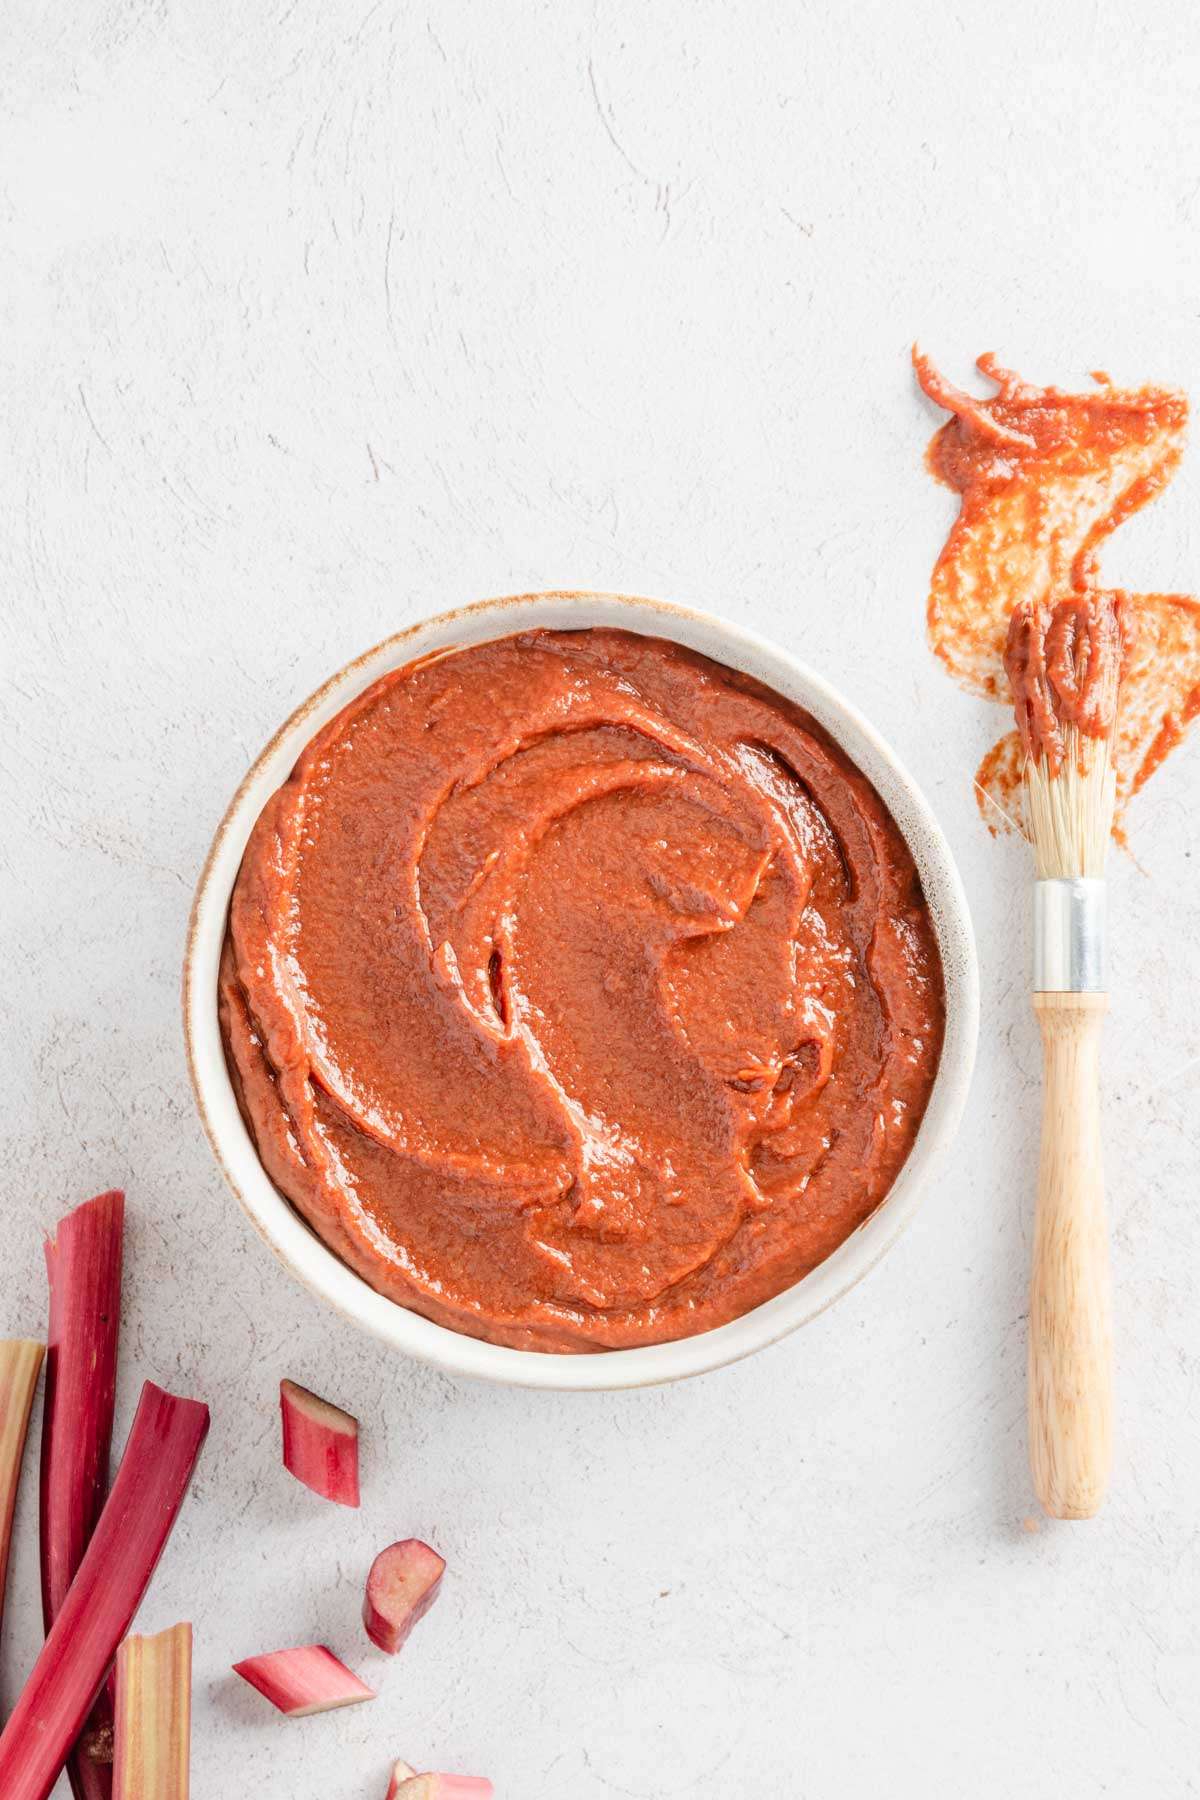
[[401, 1772], [153, 1717], [445, 1787], [146, 1496], [20, 1364], [304, 1681], [320, 1444], [401, 1587], [83, 1261]]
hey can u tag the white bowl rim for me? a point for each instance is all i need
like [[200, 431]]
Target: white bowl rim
[[316, 1266]]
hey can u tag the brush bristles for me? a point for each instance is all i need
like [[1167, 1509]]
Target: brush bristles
[[1069, 813]]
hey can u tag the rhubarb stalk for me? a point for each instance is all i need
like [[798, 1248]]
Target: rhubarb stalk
[[445, 1787], [83, 1261], [20, 1362], [146, 1496], [401, 1772], [310, 1679], [320, 1444], [154, 1717], [402, 1585]]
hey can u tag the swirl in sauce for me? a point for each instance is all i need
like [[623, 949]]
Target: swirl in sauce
[[579, 992]]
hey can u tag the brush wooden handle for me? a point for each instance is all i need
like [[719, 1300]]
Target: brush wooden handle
[[1070, 1309]]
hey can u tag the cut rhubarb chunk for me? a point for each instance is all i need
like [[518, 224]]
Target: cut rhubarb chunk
[[146, 1496], [445, 1787], [153, 1717], [304, 1681], [20, 1364], [401, 1772], [401, 1587], [320, 1444], [83, 1261]]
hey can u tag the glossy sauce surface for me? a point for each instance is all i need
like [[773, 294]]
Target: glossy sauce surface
[[579, 992]]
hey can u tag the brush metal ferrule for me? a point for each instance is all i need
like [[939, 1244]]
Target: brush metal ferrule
[[1069, 948]]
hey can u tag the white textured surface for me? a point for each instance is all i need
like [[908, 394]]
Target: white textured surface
[[319, 318]]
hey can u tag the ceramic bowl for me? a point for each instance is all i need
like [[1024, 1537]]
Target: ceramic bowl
[[304, 1253]]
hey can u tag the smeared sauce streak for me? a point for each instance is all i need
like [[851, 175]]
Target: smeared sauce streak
[[1045, 477], [1065, 665]]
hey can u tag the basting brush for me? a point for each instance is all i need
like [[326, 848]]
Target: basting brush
[[1065, 666]]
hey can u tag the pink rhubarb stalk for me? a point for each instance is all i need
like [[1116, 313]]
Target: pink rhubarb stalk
[[153, 1717], [320, 1444], [303, 1681], [401, 1772], [146, 1496], [83, 1261], [445, 1787], [401, 1587], [20, 1365]]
